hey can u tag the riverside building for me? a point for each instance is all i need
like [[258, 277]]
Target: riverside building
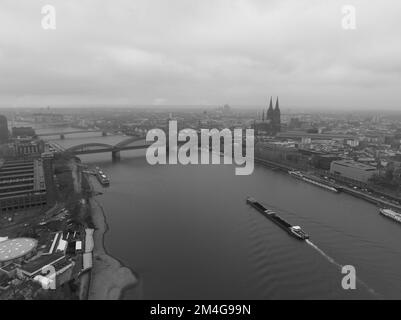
[[22, 185], [353, 170]]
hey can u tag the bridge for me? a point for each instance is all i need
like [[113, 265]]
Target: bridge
[[63, 134], [300, 135], [132, 143]]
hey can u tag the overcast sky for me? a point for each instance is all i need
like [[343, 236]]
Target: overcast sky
[[201, 52]]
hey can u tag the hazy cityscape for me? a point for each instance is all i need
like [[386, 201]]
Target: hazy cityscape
[[84, 213], [52, 166]]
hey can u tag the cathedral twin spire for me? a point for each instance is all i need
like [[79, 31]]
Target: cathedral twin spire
[[271, 113], [277, 107], [271, 120]]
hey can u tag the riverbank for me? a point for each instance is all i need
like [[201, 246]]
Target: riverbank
[[340, 186], [109, 278]]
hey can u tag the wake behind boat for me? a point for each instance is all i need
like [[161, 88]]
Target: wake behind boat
[[294, 231]]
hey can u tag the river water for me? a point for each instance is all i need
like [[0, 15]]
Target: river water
[[188, 233]]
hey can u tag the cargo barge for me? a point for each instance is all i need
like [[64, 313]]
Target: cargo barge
[[391, 214], [294, 231], [101, 177], [299, 175]]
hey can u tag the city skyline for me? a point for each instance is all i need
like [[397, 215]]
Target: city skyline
[[309, 174]]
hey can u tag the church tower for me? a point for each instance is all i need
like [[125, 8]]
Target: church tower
[[271, 119], [270, 111], [277, 118]]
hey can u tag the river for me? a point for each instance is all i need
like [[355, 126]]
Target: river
[[188, 233]]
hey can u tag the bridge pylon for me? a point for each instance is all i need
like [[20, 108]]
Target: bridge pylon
[[115, 155]]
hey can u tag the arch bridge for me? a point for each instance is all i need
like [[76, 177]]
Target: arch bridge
[[132, 143]]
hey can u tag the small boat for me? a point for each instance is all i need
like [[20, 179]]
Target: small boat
[[101, 177]]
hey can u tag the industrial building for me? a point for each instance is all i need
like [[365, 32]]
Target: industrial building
[[353, 170], [22, 185], [57, 266]]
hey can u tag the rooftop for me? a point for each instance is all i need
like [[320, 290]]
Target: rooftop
[[36, 265], [16, 248], [354, 164]]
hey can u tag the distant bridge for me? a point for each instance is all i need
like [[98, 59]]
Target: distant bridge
[[63, 134], [132, 143], [300, 135]]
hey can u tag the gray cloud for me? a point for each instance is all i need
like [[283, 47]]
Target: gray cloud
[[201, 52]]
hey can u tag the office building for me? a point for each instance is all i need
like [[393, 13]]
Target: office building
[[353, 170], [22, 185]]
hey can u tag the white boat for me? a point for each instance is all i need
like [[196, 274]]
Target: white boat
[[296, 174], [391, 214], [299, 175]]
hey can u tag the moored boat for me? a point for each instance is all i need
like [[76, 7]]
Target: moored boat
[[391, 214], [299, 175], [101, 177]]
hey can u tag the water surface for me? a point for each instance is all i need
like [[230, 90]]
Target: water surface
[[189, 234]]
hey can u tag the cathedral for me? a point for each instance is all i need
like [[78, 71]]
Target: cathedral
[[270, 123]]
